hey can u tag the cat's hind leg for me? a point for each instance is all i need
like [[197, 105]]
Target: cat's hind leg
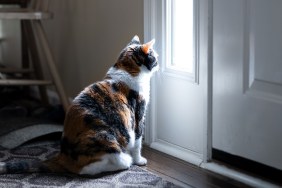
[[108, 163]]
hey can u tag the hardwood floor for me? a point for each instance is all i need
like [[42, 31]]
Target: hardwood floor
[[185, 174]]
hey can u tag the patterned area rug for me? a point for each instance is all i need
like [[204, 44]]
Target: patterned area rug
[[40, 150]]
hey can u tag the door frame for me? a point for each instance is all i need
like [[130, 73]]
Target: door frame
[[152, 24]]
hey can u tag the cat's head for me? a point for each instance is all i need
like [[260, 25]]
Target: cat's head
[[138, 58]]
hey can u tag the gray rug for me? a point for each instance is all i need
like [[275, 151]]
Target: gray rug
[[40, 150]]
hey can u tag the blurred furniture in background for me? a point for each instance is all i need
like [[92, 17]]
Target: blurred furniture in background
[[31, 13], [16, 124]]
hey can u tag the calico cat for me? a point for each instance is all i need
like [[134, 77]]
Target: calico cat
[[103, 127]]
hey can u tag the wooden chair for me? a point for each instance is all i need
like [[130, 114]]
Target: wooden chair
[[33, 34]]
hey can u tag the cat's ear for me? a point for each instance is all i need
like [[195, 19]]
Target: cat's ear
[[135, 40], [147, 46]]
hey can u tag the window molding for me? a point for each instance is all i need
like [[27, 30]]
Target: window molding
[[153, 28], [151, 10]]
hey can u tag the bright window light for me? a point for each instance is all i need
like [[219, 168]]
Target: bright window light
[[182, 35]]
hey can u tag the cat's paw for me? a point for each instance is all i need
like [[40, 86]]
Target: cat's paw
[[141, 161]]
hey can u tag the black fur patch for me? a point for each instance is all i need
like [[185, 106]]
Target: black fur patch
[[132, 98], [17, 167], [115, 87], [138, 107], [88, 118], [139, 114], [150, 61], [140, 110], [69, 148]]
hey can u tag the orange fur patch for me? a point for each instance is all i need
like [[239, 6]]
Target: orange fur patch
[[74, 123]]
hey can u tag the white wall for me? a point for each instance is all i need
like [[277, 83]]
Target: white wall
[[86, 37]]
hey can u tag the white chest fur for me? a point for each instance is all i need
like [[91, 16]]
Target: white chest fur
[[140, 83]]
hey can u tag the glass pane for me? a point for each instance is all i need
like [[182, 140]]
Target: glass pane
[[182, 38]]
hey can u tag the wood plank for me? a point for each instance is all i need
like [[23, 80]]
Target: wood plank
[[16, 82], [186, 173], [23, 13]]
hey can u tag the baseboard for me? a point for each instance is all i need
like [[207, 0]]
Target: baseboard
[[178, 152], [196, 159], [256, 168], [236, 175]]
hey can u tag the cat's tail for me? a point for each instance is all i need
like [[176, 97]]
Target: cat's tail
[[18, 167]]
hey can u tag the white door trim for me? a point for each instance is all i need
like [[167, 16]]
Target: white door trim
[[154, 28], [237, 175], [150, 21]]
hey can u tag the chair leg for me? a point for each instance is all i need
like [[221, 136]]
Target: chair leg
[[42, 38], [24, 41], [25, 56], [24, 48], [32, 46]]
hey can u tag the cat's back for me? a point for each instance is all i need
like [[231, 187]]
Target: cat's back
[[106, 103], [102, 96]]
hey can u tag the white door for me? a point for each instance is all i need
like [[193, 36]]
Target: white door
[[247, 79], [177, 116]]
